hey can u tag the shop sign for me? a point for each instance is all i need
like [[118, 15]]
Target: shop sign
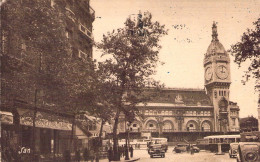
[[45, 120], [6, 117]]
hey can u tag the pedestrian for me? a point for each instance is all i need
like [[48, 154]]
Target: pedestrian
[[110, 154], [131, 149], [191, 150], [123, 150], [91, 155], [77, 156], [86, 154], [188, 148]]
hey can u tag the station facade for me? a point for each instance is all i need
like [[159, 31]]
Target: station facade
[[188, 113]]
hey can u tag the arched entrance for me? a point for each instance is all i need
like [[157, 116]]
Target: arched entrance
[[151, 125], [192, 126], [136, 126], [206, 126], [168, 126]]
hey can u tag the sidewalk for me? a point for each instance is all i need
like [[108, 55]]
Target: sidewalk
[[121, 160]]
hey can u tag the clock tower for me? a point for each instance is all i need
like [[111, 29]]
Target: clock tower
[[217, 81]]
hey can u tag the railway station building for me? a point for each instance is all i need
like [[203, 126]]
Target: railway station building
[[186, 114]]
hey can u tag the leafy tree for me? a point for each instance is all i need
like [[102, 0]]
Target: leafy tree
[[248, 49], [45, 74], [132, 57]]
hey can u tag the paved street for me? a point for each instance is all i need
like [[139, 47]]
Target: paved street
[[184, 157], [202, 156]]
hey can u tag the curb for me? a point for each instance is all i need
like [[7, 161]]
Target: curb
[[127, 160]]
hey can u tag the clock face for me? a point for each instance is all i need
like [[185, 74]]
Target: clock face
[[208, 73], [222, 72]]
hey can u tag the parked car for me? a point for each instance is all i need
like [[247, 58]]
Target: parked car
[[248, 152], [180, 148], [195, 148], [156, 150], [233, 150]]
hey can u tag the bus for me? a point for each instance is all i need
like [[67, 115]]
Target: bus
[[136, 143], [211, 142]]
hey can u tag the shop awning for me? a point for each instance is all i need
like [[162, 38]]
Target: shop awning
[[44, 120], [6, 117], [91, 118]]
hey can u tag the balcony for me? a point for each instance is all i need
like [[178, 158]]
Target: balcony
[[83, 55], [86, 31], [92, 12], [70, 14]]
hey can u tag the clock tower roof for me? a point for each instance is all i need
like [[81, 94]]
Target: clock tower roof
[[215, 47]]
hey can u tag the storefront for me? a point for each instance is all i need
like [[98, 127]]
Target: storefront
[[9, 138], [52, 132]]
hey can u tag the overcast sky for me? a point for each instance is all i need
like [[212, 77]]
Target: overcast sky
[[183, 49]]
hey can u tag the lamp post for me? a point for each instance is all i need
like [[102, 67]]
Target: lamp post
[[127, 140]]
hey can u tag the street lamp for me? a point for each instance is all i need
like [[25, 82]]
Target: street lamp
[[127, 140]]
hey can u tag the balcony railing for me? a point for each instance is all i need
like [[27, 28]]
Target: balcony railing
[[168, 130], [92, 12], [86, 31], [150, 130], [135, 130], [70, 14]]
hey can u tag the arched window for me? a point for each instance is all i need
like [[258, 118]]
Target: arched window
[[205, 127], [135, 127], [167, 126], [151, 125], [191, 126]]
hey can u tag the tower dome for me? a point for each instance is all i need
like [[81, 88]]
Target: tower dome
[[215, 46]]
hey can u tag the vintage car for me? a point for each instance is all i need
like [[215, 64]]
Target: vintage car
[[180, 148], [248, 152], [156, 150], [233, 150], [195, 148]]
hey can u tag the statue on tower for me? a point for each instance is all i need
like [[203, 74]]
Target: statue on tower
[[214, 32]]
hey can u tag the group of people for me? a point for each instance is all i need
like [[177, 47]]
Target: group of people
[[190, 149], [122, 152], [88, 155]]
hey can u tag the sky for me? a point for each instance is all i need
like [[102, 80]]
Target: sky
[[183, 48]]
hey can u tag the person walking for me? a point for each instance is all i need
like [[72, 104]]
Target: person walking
[[191, 150], [77, 156], [131, 149], [110, 154], [92, 155], [86, 154], [121, 150]]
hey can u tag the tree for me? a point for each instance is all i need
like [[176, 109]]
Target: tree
[[133, 55], [37, 63], [248, 49]]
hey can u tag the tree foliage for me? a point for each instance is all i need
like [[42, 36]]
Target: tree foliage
[[47, 64], [248, 49], [132, 53]]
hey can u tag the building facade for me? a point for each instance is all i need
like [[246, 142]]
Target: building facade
[[53, 130], [248, 124], [178, 112]]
